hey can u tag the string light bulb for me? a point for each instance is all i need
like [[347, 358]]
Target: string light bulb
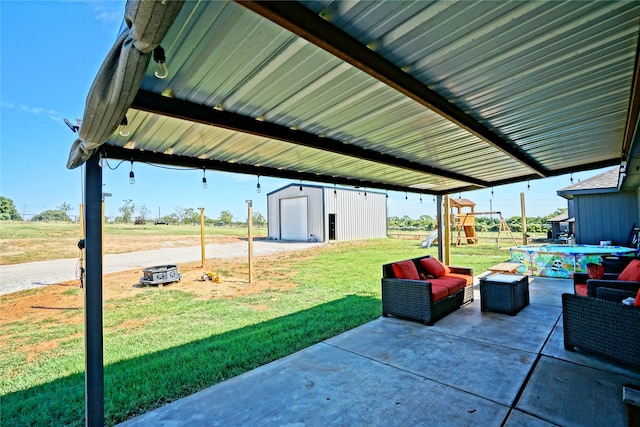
[[571, 178], [258, 185], [123, 129], [529, 185], [204, 179], [420, 198], [300, 188], [161, 70], [132, 176], [335, 192], [406, 196]]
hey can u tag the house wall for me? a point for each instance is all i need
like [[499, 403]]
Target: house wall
[[605, 216]]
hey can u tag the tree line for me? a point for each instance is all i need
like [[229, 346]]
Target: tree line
[[538, 224], [130, 213]]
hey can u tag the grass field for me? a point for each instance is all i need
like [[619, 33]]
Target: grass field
[[37, 241], [165, 343]]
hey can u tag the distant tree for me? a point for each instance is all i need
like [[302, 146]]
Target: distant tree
[[191, 216], [144, 212], [427, 222], [64, 207], [226, 217], [258, 220], [52, 215], [8, 210], [127, 209]]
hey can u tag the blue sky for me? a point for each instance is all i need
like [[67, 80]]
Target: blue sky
[[50, 54]]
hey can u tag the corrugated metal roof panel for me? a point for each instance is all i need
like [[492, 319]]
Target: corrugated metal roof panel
[[552, 78]]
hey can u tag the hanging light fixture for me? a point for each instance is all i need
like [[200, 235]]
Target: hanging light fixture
[[123, 129], [258, 185], [529, 185], [406, 196], [420, 198], [571, 178], [161, 70], [204, 178], [335, 192], [132, 176], [300, 188]]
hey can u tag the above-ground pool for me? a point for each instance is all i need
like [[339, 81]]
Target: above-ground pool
[[562, 260]]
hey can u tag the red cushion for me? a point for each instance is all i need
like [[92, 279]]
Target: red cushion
[[438, 292], [434, 267], [595, 271], [468, 279], [405, 270], [637, 301], [580, 290], [631, 272], [453, 284]]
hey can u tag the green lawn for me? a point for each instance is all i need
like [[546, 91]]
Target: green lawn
[[164, 344]]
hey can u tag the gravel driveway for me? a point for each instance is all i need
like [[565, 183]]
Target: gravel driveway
[[18, 277]]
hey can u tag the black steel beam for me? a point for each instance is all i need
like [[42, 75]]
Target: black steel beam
[[185, 110], [303, 22], [555, 172], [94, 368], [116, 152]]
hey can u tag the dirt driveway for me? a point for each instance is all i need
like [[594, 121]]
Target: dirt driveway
[[17, 277]]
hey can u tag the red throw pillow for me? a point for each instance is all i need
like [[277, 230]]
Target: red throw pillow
[[631, 272], [405, 270], [637, 301], [595, 271], [434, 267]]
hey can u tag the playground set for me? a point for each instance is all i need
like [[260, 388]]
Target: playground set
[[463, 219]]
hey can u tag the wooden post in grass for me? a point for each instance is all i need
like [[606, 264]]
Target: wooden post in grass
[[250, 238], [202, 235], [525, 240]]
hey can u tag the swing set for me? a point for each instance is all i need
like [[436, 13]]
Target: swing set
[[465, 222]]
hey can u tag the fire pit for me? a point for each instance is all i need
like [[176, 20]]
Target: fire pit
[[160, 274]]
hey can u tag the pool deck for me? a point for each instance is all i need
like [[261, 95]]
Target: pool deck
[[470, 368]]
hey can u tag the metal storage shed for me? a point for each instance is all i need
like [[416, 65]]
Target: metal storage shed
[[310, 212]]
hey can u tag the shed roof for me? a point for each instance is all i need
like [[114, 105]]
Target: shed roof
[[427, 97]]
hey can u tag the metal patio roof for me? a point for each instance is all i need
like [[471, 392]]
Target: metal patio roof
[[426, 97]]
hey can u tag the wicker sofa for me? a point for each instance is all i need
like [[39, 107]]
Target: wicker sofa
[[603, 325], [425, 299]]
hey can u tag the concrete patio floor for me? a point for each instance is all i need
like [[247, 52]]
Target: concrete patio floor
[[470, 368]]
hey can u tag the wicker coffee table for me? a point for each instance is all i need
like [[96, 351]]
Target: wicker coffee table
[[504, 293]]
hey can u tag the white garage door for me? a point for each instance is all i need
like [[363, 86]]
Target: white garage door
[[293, 219]]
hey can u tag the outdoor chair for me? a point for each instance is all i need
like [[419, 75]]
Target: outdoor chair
[[618, 273], [603, 326]]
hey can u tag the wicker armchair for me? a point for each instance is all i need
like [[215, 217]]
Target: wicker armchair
[[606, 328]]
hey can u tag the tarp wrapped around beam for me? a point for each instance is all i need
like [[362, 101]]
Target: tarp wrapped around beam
[[121, 73]]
